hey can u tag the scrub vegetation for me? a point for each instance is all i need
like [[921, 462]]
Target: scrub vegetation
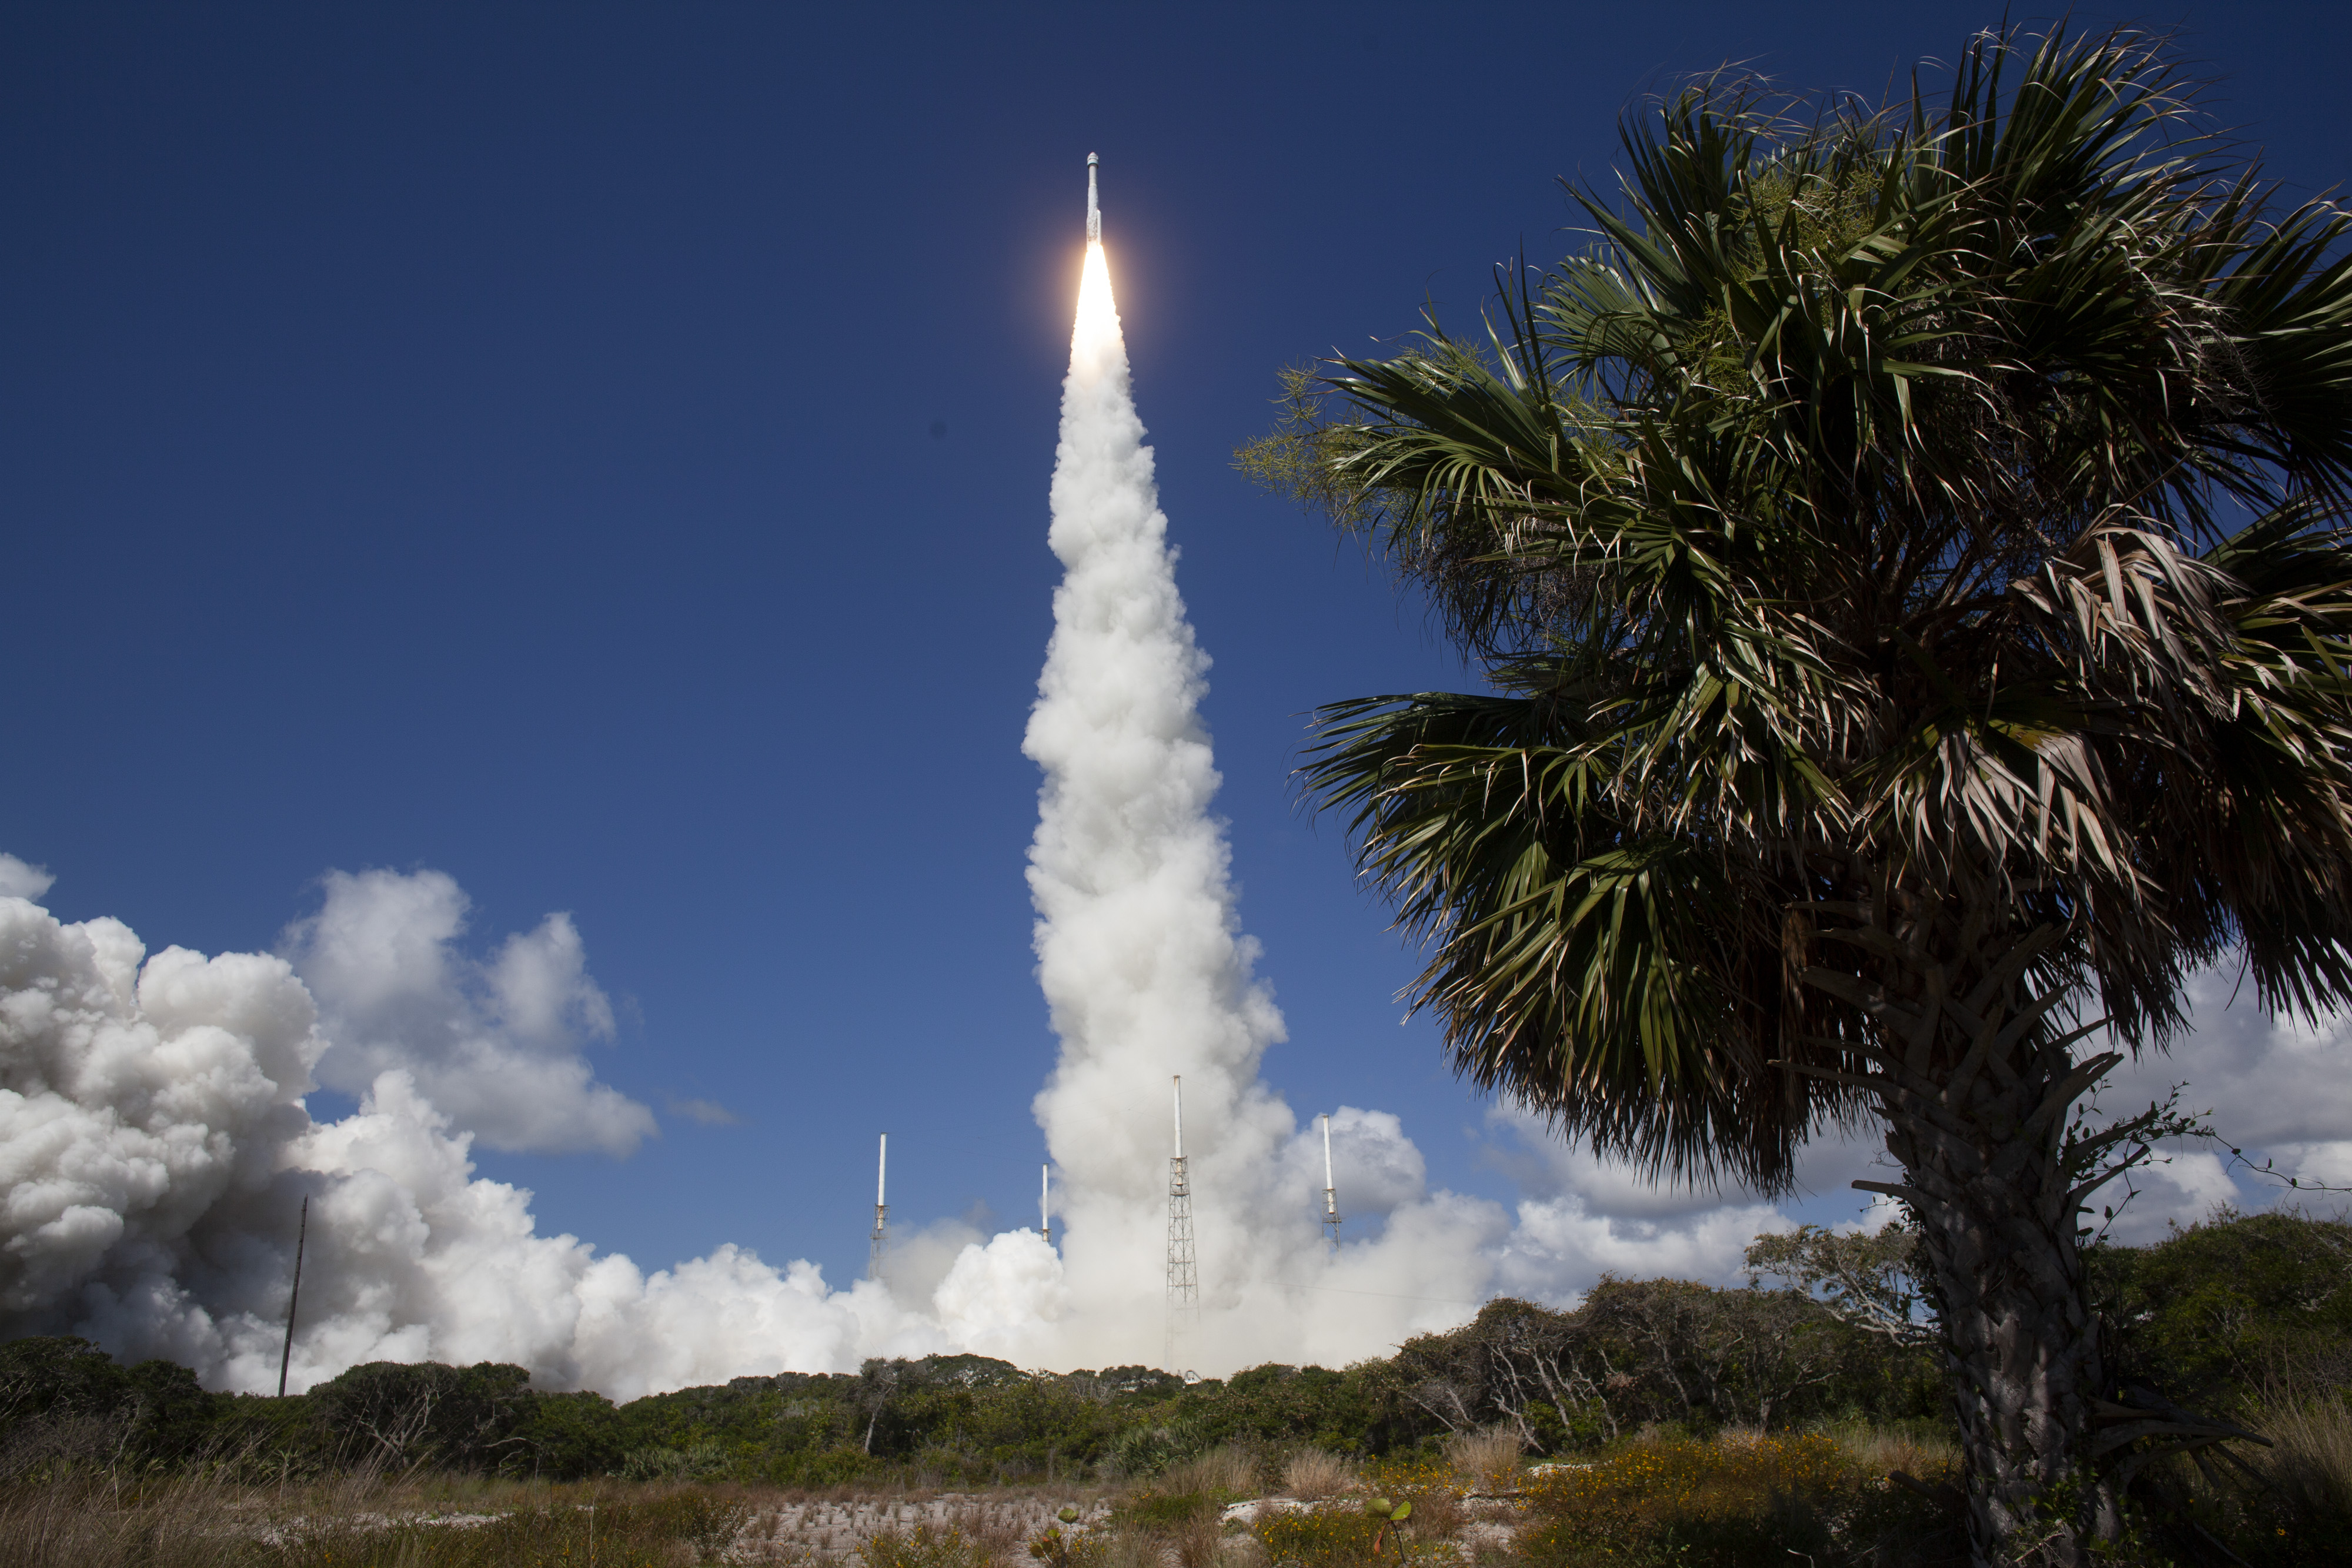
[[1662, 1421]]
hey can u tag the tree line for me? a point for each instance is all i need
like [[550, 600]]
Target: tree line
[[2206, 1317]]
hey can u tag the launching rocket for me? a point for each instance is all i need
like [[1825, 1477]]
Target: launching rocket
[[1094, 212]]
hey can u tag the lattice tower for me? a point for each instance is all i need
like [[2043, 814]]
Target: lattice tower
[[1183, 1272]]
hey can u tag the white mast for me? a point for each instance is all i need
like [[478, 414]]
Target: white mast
[[881, 1210], [1330, 1197]]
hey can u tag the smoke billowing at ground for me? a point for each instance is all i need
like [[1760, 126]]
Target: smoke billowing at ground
[[155, 1138]]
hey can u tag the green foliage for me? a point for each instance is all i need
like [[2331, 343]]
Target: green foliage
[[393, 1414], [151, 1412], [1726, 1504], [1063, 1545], [703, 1462], [1640, 1352], [2217, 1312], [1871, 1281], [1140, 1451], [569, 1436], [1331, 1535]]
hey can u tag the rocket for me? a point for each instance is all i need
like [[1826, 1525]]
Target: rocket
[[1094, 210]]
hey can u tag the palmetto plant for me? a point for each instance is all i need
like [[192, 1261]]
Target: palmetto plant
[[1904, 550]]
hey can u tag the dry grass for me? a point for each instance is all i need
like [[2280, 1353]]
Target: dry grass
[[1227, 1472], [1311, 1475], [1485, 1460], [180, 1523], [999, 1528], [2308, 1469], [1883, 1450]]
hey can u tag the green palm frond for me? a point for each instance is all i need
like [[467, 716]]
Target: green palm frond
[[1855, 527]]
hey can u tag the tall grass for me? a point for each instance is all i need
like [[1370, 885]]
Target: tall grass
[[201, 1519], [1226, 1474], [1311, 1475], [1484, 1461], [85, 1520], [2313, 1460]]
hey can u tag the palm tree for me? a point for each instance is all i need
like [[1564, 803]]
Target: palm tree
[[1905, 548]]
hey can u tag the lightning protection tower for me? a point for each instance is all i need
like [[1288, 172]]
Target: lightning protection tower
[[881, 1210], [1330, 1197], [1183, 1277]]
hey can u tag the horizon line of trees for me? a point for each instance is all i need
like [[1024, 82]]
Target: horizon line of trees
[[2210, 1316]]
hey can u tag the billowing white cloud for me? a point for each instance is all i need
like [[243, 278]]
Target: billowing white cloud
[[496, 1044], [18, 880], [155, 1147]]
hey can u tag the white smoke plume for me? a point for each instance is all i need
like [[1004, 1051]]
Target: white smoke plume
[[1148, 975], [495, 1044], [154, 1145]]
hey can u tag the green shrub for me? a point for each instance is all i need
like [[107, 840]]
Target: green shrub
[[1726, 1504], [1333, 1535], [1065, 1545], [704, 1461], [1141, 1451]]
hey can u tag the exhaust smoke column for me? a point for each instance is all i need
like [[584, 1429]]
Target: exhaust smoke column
[[1140, 956]]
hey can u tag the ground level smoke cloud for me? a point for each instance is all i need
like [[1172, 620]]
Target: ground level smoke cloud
[[155, 1143]]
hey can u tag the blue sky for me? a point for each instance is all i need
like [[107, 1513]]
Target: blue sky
[[599, 453]]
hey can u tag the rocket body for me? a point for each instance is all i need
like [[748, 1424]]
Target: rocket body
[[1094, 208]]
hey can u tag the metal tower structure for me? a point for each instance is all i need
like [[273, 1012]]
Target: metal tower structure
[[881, 1210], [1331, 1199], [1183, 1277]]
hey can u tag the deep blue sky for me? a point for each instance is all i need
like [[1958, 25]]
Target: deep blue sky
[[599, 451]]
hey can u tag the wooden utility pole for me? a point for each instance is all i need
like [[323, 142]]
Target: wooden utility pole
[[302, 1235]]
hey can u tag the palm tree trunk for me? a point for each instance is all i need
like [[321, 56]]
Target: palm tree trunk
[[1975, 1090], [2021, 1344]]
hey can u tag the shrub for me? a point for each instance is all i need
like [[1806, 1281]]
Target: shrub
[[1334, 1536], [1143, 1451], [1745, 1499], [1064, 1546], [703, 1461]]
